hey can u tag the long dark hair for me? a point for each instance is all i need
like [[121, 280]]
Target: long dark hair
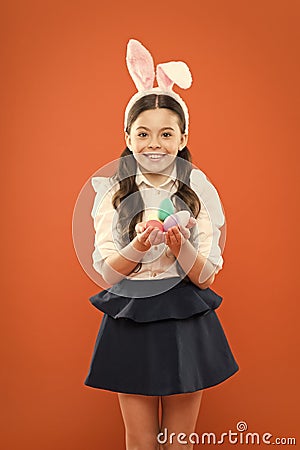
[[131, 207]]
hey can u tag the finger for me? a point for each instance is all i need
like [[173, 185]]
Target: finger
[[178, 235], [167, 239], [145, 234], [174, 234], [192, 222], [154, 232], [161, 237], [175, 230], [185, 232], [153, 235], [140, 227]]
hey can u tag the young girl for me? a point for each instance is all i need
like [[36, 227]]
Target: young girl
[[160, 338]]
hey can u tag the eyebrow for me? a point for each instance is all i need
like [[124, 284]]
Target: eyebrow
[[164, 128]]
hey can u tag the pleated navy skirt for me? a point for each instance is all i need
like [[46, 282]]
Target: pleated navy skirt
[[159, 337]]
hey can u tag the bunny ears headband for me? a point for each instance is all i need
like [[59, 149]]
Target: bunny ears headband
[[141, 68]]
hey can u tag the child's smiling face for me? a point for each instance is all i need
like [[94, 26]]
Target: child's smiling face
[[155, 139]]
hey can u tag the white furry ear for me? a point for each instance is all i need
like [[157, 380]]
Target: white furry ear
[[140, 65], [173, 72]]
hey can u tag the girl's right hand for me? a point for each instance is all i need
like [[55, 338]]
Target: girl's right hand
[[148, 236]]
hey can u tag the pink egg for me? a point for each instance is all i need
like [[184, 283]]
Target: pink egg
[[155, 223]]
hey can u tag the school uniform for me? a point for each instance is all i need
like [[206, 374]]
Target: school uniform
[[160, 334]]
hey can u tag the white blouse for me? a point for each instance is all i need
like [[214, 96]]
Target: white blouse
[[158, 262]]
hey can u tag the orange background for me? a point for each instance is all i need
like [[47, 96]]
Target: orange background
[[64, 87]]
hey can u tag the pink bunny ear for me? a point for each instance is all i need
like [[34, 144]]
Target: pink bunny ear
[[140, 65], [173, 72]]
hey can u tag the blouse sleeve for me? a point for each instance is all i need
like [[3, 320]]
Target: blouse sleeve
[[210, 219], [104, 215]]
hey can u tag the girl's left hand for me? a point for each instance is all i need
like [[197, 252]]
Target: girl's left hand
[[176, 237]]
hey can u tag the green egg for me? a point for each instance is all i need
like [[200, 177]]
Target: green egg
[[166, 208]]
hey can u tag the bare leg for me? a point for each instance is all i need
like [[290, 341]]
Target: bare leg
[[179, 415], [141, 420]]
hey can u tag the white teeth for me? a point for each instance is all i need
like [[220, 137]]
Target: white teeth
[[155, 156]]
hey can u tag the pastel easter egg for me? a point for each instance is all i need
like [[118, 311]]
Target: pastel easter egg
[[156, 224], [182, 217], [166, 208], [169, 222], [152, 215]]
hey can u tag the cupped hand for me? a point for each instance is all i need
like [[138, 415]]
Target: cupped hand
[[176, 236], [149, 236]]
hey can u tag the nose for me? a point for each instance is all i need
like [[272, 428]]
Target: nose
[[154, 143]]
